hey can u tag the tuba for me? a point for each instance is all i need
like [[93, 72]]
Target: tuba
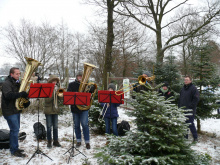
[[85, 86], [31, 67]]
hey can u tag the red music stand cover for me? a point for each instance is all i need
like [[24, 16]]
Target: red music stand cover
[[41, 90], [110, 96], [76, 98]]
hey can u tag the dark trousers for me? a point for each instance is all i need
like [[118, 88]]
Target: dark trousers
[[192, 127], [52, 121], [14, 125]]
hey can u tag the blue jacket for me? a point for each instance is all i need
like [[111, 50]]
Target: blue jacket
[[110, 113]]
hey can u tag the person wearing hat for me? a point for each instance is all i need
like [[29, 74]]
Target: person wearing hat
[[110, 113], [164, 91], [51, 111], [79, 117]]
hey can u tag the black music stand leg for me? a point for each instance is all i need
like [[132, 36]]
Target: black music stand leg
[[72, 148], [38, 151]]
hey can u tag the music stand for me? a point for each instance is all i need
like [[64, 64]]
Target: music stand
[[75, 98], [38, 90], [110, 97]]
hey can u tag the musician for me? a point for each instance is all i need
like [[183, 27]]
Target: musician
[[80, 117], [189, 98], [137, 87], [110, 114], [51, 111], [10, 92]]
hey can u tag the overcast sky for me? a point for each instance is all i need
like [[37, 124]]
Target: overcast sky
[[72, 12]]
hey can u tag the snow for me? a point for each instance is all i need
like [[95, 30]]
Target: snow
[[207, 144]]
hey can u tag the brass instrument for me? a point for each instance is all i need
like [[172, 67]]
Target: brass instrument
[[141, 80], [60, 92], [85, 86], [31, 67]]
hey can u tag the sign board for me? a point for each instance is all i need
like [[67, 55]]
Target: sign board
[[126, 88]]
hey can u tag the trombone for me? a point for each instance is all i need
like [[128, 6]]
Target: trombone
[[141, 80], [101, 117]]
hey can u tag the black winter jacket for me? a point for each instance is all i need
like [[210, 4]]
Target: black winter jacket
[[167, 94], [189, 97], [74, 87], [9, 95]]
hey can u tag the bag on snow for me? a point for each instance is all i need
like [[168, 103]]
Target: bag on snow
[[123, 127], [39, 130]]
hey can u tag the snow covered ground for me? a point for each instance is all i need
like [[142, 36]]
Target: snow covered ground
[[207, 144]]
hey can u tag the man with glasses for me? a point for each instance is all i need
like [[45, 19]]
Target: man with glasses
[[189, 98]]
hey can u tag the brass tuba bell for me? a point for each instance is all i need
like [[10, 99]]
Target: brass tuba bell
[[85, 86], [31, 67]]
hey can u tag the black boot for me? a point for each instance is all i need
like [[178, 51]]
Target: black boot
[[56, 144], [49, 144]]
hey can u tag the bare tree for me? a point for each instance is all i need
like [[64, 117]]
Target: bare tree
[[152, 15], [131, 44], [30, 40], [108, 6]]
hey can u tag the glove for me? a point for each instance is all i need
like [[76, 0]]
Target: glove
[[92, 89], [26, 104], [23, 94]]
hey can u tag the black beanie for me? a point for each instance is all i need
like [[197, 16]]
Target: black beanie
[[111, 85]]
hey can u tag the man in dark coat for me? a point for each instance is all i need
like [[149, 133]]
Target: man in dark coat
[[10, 92], [189, 98], [79, 116]]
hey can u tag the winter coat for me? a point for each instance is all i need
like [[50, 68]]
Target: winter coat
[[138, 88], [110, 113], [9, 95], [189, 97], [167, 94], [49, 106], [74, 87]]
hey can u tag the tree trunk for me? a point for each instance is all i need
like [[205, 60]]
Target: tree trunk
[[109, 43], [198, 126], [160, 52]]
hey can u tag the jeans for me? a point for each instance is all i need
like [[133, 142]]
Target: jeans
[[114, 125], [14, 125], [192, 126], [81, 118], [52, 120]]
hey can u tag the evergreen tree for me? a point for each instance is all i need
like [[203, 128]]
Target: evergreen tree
[[94, 115], [158, 139], [205, 78], [169, 72]]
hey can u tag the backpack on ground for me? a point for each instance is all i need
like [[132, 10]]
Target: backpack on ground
[[5, 138], [123, 127], [40, 131]]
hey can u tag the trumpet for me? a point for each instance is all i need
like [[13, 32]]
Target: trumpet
[[141, 80]]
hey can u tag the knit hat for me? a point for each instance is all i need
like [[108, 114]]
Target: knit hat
[[79, 73], [147, 73], [111, 85], [165, 83], [52, 78]]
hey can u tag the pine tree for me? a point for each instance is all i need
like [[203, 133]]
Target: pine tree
[[158, 139], [94, 115], [169, 72], [206, 79]]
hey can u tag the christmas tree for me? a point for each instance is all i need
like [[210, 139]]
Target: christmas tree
[[206, 80], [158, 139]]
